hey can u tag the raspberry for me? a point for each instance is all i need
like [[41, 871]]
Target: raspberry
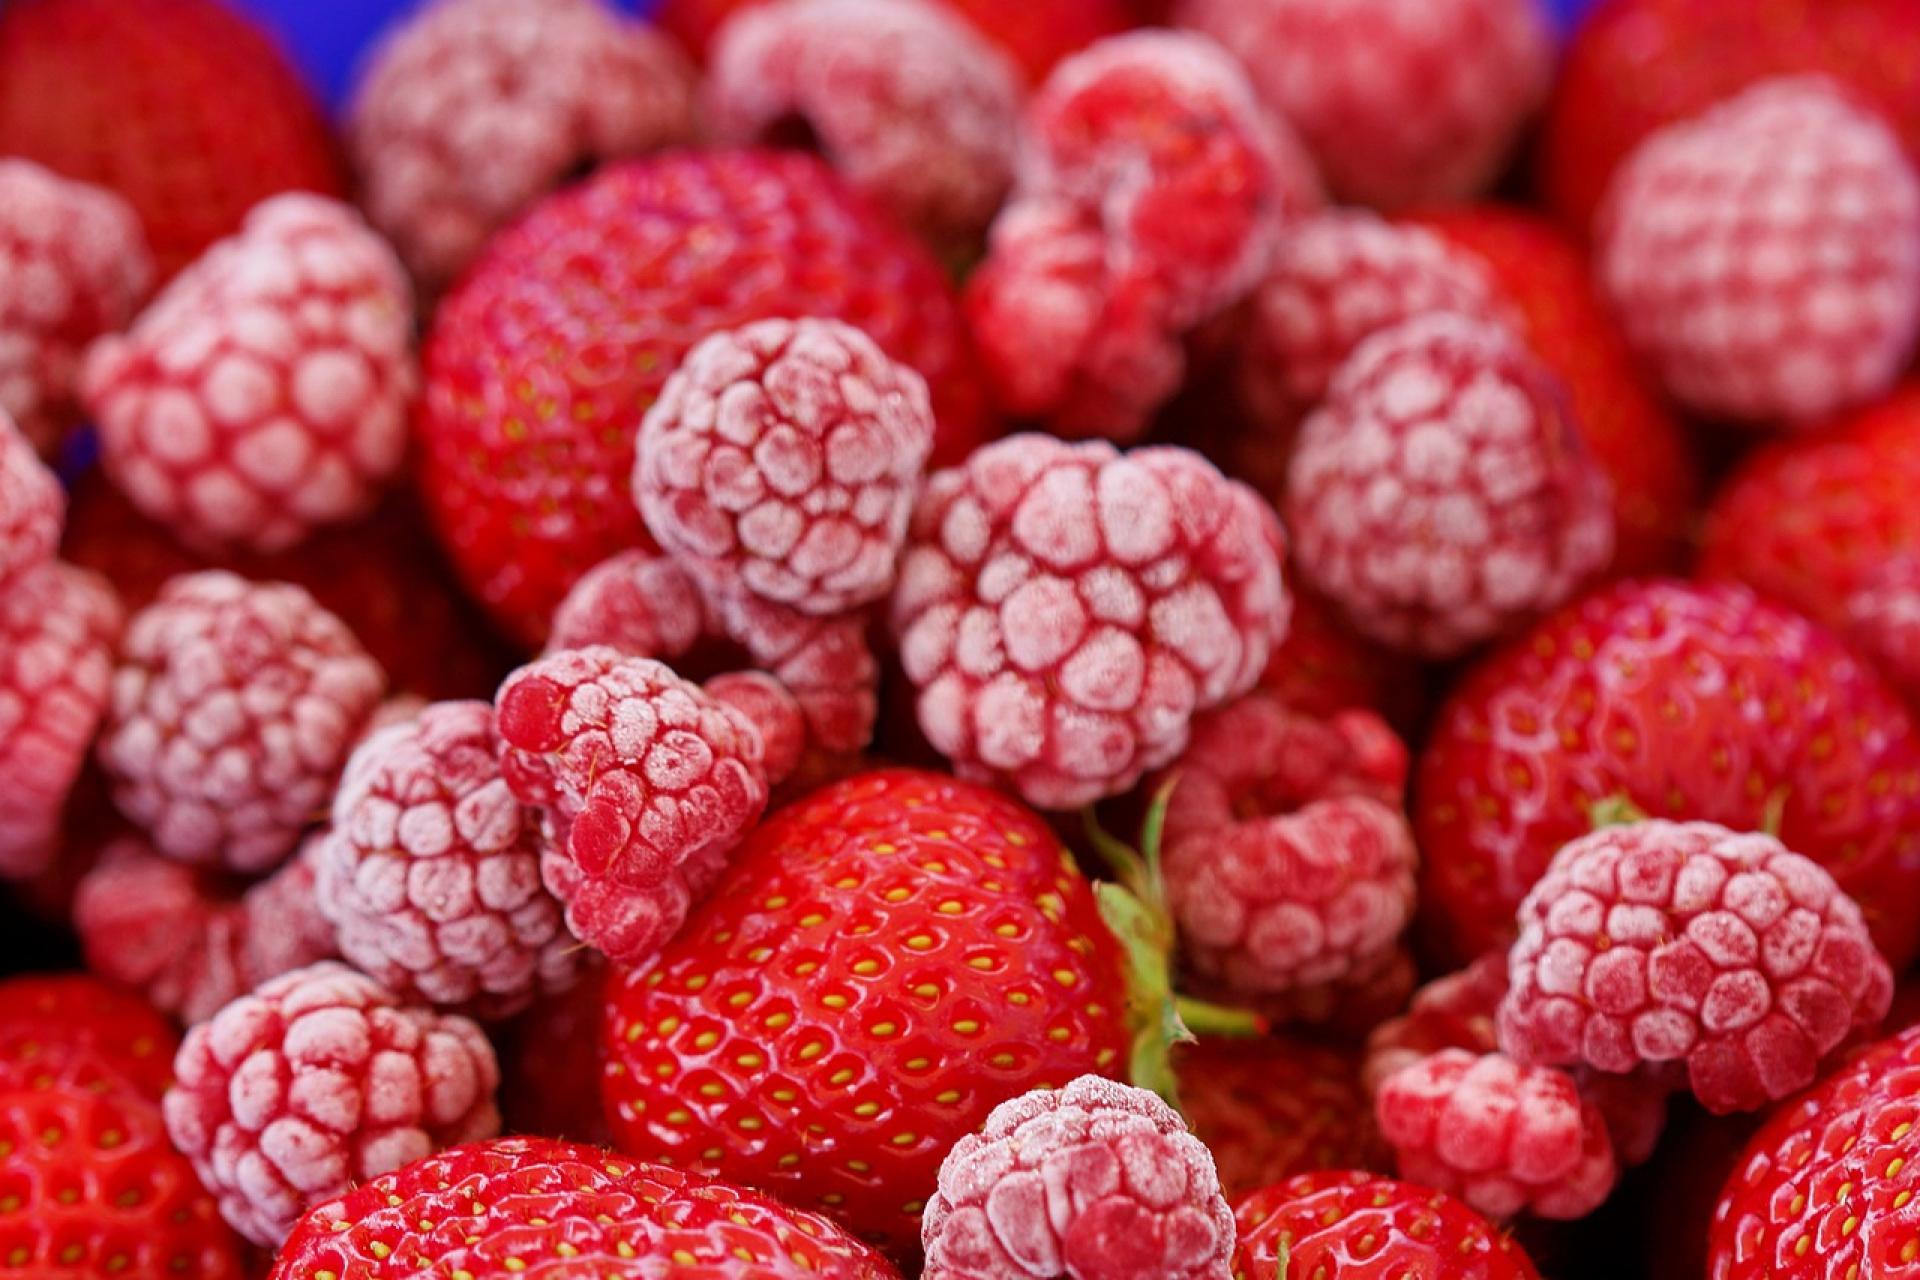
[[77, 266], [1440, 495], [827, 665], [1764, 257], [646, 780], [58, 628], [1064, 610], [773, 712], [1400, 104], [639, 601], [1096, 1179], [1686, 942], [910, 103], [1323, 668], [1289, 861], [470, 110], [1344, 1010], [782, 460], [233, 708], [319, 1079], [431, 874], [32, 506], [1152, 192], [1883, 621], [264, 393]]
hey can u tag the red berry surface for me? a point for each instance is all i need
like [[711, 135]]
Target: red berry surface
[[32, 505], [550, 1063], [1323, 667], [71, 1029]]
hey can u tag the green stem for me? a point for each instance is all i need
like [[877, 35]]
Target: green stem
[[1204, 1018]]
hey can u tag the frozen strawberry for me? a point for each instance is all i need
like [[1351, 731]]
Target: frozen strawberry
[[1441, 496], [320, 1079], [1063, 611], [1400, 104], [471, 110], [1764, 256], [594, 298], [233, 709], [1095, 1179], [1692, 702], [77, 266], [74, 1030], [32, 506], [903, 97]]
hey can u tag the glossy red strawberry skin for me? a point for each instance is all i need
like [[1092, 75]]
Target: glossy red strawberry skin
[[885, 961], [75, 1031]]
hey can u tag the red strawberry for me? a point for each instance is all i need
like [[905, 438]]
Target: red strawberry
[[75, 1030], [884, 962], [183, 107]]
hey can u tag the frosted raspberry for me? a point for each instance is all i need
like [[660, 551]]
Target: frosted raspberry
[[1096, 1179], [639, 601], [471, 110], [1686, 942], [320, 1079], [1400, 103], [1063, 610], [1345, 1010], [58, 627], [1764, 257], [75, 265], [827, 664], [264, 392], [1152, 190], [32, 506], [1504, 1138], [431, 874], [1440, 496], [1883, 620], [147, 922], [904, 97], [772, 710], [782, 460], [1288, 859], [647, 781], [233, 708]]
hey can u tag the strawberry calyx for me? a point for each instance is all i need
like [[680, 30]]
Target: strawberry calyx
[[1618, 810]]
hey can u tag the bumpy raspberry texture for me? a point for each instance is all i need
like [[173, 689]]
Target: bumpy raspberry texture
[[1440, 496], [76, 265], [1686, 942], [1344, 1011], [431, 874], [641, 602], [264, 393], [1764, 257], [1096, 1179], [911, 104], [1064, 610], [782, 459], [1288, 859], [471, 110], [1883, 621], [1152, 190], [1400, 104], [1323, 667], [32, 506], [58, 628], [233, 708], [320, 1079], [645, 781]]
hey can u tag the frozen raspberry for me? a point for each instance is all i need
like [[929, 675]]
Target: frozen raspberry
[[32, 506], [1323, 667], [908, 101], [1064, 610], [1152, 191], [264, 392], [1400, 103], [76, 265], [647, 781], [640, 602], [1096, 1179], [1345, 1010], [827, 664], [147, 922], [1883, 621], [471, 110], [58, 628], [431, 874], [233, 708], [1686, 942], [1288, 858], [1440, 496], [774, 713], [320, 1079], [782, 460], [1764, 257], [1503, 1137]]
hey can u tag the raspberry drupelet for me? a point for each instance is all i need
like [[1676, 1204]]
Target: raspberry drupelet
[[1063, 611], [264, 393], [232, 710], [1659, 942], [318, 1080], [1764, 257], [1441, 496], [641, 602], [1094, 1179], [470, 110], [32, 506]]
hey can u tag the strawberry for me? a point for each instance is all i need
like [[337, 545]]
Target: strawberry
[[70, 1029]]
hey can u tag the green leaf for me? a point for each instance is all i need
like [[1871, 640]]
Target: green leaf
[[1615, 811]]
